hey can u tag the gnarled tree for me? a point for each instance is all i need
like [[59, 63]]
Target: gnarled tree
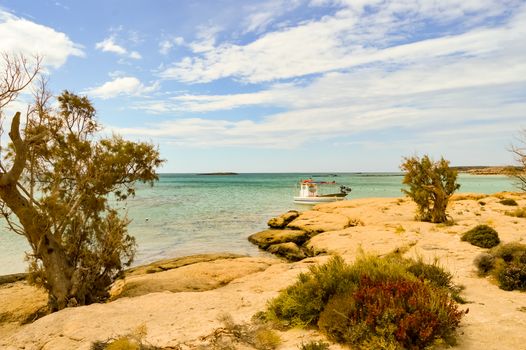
[[58, 182], [430, 186], [519, 172]]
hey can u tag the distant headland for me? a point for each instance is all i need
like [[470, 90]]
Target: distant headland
[[486, 170], [219, 174]]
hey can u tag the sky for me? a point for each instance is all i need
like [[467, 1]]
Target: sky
[[289, 86]]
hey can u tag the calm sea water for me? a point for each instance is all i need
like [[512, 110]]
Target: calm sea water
[[186, 214]]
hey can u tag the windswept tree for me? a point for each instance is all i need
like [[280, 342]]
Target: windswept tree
[[431, 184], [519, 172], [58, 181]]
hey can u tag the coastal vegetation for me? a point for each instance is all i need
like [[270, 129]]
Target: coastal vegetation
[[314, 345], [431, 184], [508, 201], [518, 213], [374, 303], [519, 151], [56, 179], [482, 236], [506, 264]]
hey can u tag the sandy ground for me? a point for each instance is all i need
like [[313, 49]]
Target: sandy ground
[[180, 306]]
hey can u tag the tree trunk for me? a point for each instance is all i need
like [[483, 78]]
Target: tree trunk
[[58, 270]]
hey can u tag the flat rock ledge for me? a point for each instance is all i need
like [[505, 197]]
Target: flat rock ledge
[[289, 233]]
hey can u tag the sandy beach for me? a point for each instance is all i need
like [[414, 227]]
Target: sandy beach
[[177, 303]]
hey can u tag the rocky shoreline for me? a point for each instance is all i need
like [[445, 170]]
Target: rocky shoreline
[[178, 303]]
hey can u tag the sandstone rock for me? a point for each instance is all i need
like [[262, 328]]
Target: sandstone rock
[[282, 220], [314, 222], [266, 238], [20, 303], [197, 277], [173, 263], [289, 251]]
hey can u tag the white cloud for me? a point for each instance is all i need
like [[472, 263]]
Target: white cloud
[[135, 55], [109, 45], [19, 35], [349, 38], [426, 86], [165, 46], [121, 86], [206, 39], [264, 14]]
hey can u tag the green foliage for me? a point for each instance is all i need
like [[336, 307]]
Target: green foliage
[[388, 302], [513, 251], [301, 303], [485, 262], [518, 213], [314, 345], [482, 236], [66, 207], [506, 263], [508, 201], [431, 184]]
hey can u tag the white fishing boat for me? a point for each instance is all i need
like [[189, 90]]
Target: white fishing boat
[[311, 193]]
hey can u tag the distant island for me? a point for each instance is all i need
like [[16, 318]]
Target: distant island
[[219, 174], [486, 170]]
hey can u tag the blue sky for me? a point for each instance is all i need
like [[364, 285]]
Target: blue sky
[[297, 85]]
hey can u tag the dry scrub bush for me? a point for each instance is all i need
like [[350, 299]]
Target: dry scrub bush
[[518, 213], [506, 263], [256, 334], [314, 345], [508, 201], [482, 236], [391, 300]]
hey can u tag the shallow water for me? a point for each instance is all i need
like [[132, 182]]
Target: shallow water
[[187, 214]]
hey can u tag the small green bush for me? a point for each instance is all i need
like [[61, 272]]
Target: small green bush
[[506, 263], [509, 251], [482, 236], [122, 343], [301, 303], [314, 345], [518, 213], [485, 262], [508, 201], [375, 301], [431, 272]]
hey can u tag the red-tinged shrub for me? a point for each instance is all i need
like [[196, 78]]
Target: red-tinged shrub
[[399, 314]]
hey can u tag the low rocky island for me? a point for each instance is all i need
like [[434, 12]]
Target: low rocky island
[[218, 174], [190, 303]]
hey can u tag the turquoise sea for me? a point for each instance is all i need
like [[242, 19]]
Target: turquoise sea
[[186, 214]]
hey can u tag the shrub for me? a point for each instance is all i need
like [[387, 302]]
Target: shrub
[[485, 262], [409, 314], [506, 263], [301, 303], [482, 236], [431, 185], [508, 201], [389, 300], [123, 343], [431, 272], [518, 213], [510, 251], [512, 276], [314, 345]]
